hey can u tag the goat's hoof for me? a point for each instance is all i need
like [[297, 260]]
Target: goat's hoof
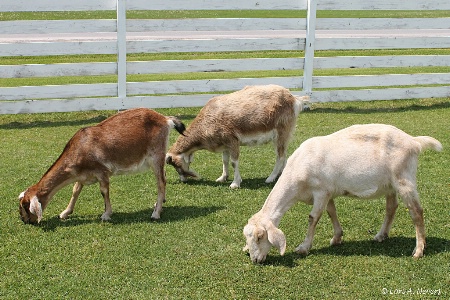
[[222, 179], [236, 183], [64, 215], [106, 217], [335, 241], [271, 179], [302, 250], [380, 237], [155, 216], [417, 254]]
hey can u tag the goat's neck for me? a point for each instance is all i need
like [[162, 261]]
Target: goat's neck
[[188, 143], [53, 180], [279, 201]]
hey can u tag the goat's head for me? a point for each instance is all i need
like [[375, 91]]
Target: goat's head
[[181, 163], [260, 240], [30, 209]]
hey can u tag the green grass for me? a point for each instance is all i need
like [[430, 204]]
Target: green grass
[[13, 82], [168, 14], [18, 60], [194, 251]]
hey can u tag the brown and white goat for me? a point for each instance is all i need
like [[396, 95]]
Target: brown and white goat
[[131, 141], [363, 161], [252, 116]]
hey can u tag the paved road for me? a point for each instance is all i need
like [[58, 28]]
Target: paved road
[[174, 35]]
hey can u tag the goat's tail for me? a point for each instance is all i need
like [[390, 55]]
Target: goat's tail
[[174, 122], [427, 142], [301, 103]]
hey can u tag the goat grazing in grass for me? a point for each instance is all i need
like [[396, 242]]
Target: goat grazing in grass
[[252, 116], [363, 161], [131, 141]]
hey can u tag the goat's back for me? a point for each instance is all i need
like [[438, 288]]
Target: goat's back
[[250, 109], [122, 139], [360, 157]]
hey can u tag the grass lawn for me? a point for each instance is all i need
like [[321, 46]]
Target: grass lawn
[[194, 251]]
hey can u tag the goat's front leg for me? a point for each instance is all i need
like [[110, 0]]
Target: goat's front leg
[[277, 169], [234, 153], [391, 207], [104, 189], [161, 183], [75, 193], [314, 217], [338, 232], [225, 168]]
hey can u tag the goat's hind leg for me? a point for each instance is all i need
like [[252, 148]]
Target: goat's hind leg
[[70, 207], [280, 143], [338, 232], [225, 168], [104, 189], [158, 169], [408, 192], [416, 212], [391, 207]]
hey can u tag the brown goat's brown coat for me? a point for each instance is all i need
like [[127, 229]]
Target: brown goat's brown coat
[[129, 142]]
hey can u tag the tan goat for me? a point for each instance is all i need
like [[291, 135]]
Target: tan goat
[[252, 116], [132, 141], [363, 161]]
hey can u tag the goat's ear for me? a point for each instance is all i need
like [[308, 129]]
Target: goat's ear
[[259, 233], [277, 239], [168, 159], [188, 158], [36, 208], [21, 195]]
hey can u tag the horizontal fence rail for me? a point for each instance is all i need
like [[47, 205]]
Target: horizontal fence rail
[[306, 38]]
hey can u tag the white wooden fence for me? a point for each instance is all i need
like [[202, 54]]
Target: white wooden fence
[[123, 94]]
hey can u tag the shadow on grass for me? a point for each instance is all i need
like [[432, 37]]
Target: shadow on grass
[[47, 124], [249, 183], [359, 110], [392, 247], [169, 214], [80, 122]]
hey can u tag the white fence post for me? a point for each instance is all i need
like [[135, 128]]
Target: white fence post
[[309, 46], [121, 49]]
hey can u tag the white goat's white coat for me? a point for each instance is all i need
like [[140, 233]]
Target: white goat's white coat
[[364, 161]]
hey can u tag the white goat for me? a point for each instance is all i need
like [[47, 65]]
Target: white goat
[[252, 116], [129, 142], [364, 161]]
